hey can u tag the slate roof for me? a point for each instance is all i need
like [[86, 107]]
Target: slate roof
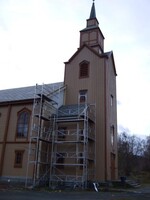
[[91, 27], [71, 110], [93, 12], [23, 93]]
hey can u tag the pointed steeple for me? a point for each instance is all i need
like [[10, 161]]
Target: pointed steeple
[[92, 35], [93, 12], [92, 21]]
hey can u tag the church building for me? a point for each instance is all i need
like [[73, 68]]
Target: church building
[[64, 133]]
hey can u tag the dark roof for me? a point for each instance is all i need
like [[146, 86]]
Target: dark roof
[[93, 12], [23, 93], [91, 27], [71, 110]]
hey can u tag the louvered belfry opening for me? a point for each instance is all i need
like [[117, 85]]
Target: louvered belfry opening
[[84, 70]]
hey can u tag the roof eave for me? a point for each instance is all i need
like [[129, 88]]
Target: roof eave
[[27, 101]]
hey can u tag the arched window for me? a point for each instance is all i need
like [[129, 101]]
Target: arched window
[[84, 69], [23, 123]]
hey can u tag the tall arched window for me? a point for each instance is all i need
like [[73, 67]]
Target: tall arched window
[[23, 123], [84, 69]]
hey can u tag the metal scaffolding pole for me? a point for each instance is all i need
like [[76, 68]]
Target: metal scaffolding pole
[[70, 156], [42, 131]]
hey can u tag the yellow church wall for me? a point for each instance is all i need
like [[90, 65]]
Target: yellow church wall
[[3, 121], [9, 161], [9, 143]]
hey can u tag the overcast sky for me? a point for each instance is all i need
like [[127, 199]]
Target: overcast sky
[[38, 36]]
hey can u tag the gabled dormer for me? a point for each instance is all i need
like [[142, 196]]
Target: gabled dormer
[[92, 35]]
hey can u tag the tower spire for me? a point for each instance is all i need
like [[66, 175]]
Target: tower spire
[[92, 35], [93, 11]]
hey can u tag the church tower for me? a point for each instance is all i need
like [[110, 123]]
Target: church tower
[[90, 79]]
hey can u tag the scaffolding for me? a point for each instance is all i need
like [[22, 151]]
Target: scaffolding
[[73, 149], [62, 141], [45, 107]]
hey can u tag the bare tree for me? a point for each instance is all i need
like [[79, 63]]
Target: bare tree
[[147, 154], [130, 154]]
